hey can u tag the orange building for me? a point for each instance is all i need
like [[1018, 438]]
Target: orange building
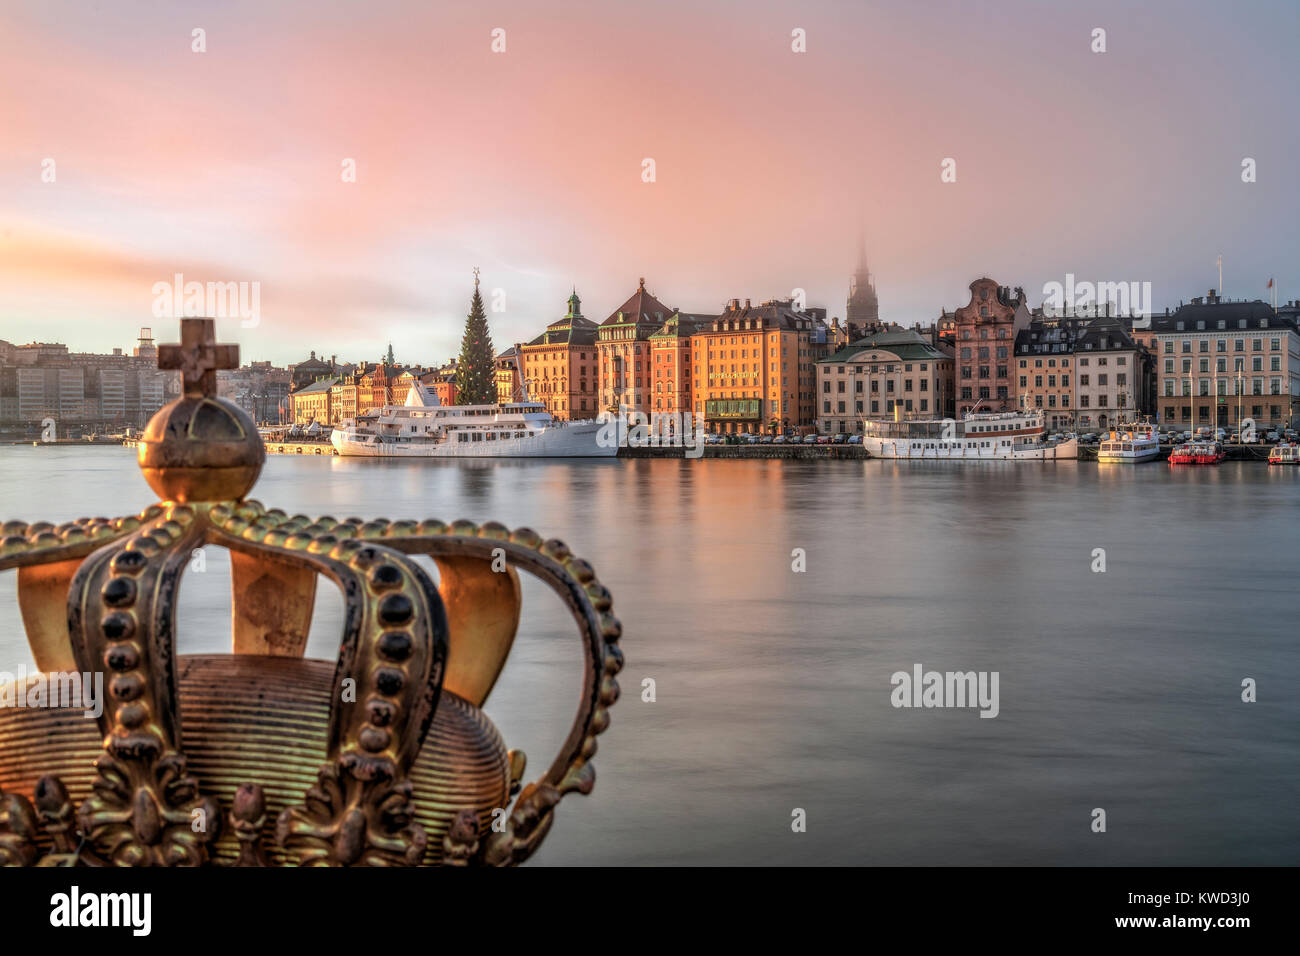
[[442, 381], [753, 368], [670, 359], [561, 366], [623, 344]]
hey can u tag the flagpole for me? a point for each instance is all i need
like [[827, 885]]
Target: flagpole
[[1220, 274]]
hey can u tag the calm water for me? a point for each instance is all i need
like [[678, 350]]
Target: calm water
[[1118, 690]]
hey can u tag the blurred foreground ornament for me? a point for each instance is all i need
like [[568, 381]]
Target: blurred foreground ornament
[[264, 757]]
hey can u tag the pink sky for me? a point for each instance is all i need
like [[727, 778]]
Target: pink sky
[[225, 165]]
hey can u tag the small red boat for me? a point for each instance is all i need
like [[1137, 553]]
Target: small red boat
[[1198, 453]]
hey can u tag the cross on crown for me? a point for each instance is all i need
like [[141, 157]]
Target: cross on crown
[[198, 357]]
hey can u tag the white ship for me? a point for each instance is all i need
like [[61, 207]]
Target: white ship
[[423, 427], [1001, 436], [1129, 444]]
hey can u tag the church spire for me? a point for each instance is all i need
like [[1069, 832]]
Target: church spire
[[863, 307]]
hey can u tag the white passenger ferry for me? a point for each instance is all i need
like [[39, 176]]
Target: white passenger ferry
[[1130, 443], [1000, 436], [423, 427]]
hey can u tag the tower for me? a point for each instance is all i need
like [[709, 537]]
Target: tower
[[863, 308]]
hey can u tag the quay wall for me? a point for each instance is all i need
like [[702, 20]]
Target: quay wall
[[791, 452]]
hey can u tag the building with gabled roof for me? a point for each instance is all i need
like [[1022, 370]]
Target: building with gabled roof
[[623, 348], [560, 366]]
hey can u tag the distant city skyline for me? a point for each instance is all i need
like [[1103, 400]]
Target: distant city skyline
[[227, 165]]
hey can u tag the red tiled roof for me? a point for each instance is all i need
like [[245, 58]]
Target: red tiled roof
[[642, 308]]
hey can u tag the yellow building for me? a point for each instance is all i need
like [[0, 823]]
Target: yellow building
[[753, 368], [560, 366], [311, 403]]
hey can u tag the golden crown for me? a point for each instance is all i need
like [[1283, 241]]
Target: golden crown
[[383, 759]]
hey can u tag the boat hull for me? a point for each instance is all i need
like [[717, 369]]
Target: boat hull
[[1129, 458], [902, 448], [566, 441]]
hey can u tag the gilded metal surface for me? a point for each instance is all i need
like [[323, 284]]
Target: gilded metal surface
[[408, 770], [43, 597]]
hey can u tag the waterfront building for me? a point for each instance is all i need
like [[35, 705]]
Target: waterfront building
[[561, 368], [1112, 374], [753, 368], [670, 358], [44, 380], [510, 384], [311, 403], [442, 382], [1221, 362], [986, 329], [1045, 375], [623, 349], [259, 388], [898, 374], [314, 369], [381, 385]]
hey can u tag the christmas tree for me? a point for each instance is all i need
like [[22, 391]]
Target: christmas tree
[[476, 370]]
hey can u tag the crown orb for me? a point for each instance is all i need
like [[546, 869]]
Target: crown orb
[[201, 448]]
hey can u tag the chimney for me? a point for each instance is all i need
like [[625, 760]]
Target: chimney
[[746, 303]]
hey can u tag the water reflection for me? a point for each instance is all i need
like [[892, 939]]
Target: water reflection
[[1118, 689]]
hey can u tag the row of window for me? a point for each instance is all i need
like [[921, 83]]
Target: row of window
[[875, 385], [906, 404], [1221, 365], [1174, 413], [1204, 387], [1238, 345]]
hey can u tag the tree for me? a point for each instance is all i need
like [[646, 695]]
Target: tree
[[476, 369]]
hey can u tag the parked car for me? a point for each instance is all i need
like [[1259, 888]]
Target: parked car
[[810, 439], [839, 439], [712, 439], [778, 439], [855, 439], [1271, 436], [823, 439], [765, 440]]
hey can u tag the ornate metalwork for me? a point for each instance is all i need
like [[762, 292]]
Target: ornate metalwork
[[406, 644]]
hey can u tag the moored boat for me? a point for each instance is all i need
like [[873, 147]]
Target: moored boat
[[1129, 444], [998, 436], [1198, 453], [423, 428], [1288, 454]]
